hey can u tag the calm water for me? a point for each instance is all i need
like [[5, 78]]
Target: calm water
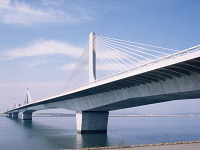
[[60, 132]]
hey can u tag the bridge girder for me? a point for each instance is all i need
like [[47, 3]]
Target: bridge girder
[[156, 76]]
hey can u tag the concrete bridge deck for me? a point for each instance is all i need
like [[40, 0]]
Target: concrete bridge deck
[[186, 66]]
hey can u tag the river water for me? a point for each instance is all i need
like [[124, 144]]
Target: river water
[[60, 132]]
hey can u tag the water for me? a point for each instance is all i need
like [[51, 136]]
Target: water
[[60, 132]]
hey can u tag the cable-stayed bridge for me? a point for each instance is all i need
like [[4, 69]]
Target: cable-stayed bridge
[[114, 74]]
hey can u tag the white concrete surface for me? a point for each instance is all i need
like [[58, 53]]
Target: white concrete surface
[[92, 58]]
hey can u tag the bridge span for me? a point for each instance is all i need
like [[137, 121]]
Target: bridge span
[[173, 77]]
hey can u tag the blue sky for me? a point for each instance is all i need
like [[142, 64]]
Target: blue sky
[[41, 40]]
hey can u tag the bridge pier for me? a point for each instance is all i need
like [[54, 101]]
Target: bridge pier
[[15, 115], [27, 116], [9, 114], [92, 121]]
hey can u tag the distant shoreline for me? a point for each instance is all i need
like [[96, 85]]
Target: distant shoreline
[[112, 115], [154, 115]]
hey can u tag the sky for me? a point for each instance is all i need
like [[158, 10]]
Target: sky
[[40, 41]]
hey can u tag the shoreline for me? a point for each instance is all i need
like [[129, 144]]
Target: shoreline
[[73, 115], [141, 146]]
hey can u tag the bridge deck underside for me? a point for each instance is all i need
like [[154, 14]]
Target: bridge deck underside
[[146, 101], [181, 69]]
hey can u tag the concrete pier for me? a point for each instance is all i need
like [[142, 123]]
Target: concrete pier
[[15, 115], [92, 121], [26, 116], [9, 114]]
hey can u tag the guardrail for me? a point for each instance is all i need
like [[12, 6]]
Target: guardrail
[[169, 57]]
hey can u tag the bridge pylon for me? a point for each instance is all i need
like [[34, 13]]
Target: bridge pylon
[[92, 58], [28, 98]]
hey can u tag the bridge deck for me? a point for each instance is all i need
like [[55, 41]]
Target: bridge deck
[[183, 63]]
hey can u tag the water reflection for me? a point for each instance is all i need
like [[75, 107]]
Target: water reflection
[[91, 140], [23, 123], [60, 132], [49, 133], [27, 124]]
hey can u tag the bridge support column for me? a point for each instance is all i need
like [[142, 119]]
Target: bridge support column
[[15, 115], [92, 121], [26, 116], [9, 114]]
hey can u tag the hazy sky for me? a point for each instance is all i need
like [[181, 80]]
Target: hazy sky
[[41, 40]]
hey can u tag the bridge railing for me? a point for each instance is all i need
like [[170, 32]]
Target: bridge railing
[[169, 57]]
